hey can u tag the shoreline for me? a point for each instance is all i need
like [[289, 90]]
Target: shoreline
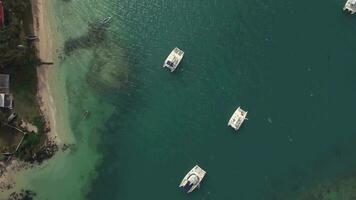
[[53, 101], [41, 28], [45, 52]]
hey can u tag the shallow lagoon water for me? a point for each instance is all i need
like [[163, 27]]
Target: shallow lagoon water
[[289, 63]]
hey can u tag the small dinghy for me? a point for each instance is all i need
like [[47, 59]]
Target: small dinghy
[[86, 114], [192, 179], [106, 20], [32, 38]]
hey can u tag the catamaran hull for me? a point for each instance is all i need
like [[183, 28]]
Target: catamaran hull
[[198, 172], [173, 59]]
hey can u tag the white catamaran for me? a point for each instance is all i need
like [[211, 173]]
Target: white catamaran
[[173, 59], [350, 6], [237, 118], [192, 179]]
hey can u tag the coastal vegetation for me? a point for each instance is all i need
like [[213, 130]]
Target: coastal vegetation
[[18, 59]]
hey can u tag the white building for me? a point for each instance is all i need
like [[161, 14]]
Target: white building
[[5, 96]]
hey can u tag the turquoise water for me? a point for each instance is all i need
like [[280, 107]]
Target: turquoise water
[[289, 63]]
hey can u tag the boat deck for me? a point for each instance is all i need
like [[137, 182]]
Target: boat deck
[[174, 59], [350, 6], [237, 118]]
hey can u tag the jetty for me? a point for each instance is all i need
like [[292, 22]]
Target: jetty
[[350, 6]]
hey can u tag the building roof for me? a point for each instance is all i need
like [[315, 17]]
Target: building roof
[[5, 101], [4, 83], [2, 20]]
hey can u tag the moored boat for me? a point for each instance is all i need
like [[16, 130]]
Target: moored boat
[[237, 118], [350, 6], [192, 179], [174, 59], [106, 20]]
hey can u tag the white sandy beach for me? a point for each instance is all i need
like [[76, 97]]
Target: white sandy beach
[[45, 52]]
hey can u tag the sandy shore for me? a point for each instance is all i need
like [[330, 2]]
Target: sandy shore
[[42, 29]]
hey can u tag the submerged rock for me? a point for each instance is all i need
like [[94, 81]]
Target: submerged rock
[[341, 189], [22, 195], [329, 189], [45, 153], [109, 72], [96, 34]]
